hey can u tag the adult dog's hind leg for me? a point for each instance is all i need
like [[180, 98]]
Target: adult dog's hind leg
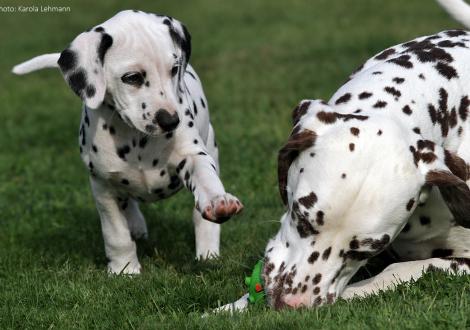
[[403, 272]]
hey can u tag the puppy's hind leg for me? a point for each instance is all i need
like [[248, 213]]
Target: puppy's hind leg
[[119, 247], [135, 219], [403, 272]]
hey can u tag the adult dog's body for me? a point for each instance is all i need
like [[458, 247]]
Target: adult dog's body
[[145, 129], [382, 165]]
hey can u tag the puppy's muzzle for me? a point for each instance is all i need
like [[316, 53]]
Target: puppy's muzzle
[[165, 120]]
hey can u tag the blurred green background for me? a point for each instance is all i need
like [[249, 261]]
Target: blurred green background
[[257, 59]]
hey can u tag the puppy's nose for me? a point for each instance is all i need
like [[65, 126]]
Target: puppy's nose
[[165, 120]]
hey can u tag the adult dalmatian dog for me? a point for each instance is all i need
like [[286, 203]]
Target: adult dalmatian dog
[[145, 129], [382, 165]]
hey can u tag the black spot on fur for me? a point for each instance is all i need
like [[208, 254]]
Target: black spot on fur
[[122, 151], [385, 54], [446, 70], [380, 104], [309, 200], [393, 91], [105, 43], [67, 60], [407, 110], [424, 220], [403, 61], [77, 81], [463, 107], [343, 99], [364, 95], [313, 257], [398, 80], [410, 204], [456, 33], [326, 253]]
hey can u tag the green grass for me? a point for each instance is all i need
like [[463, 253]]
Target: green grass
[[257, 59]]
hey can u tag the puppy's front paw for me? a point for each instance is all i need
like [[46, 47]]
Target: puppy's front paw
[[129, 268], [220, 208]]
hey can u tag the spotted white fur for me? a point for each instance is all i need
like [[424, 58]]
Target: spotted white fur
[[382, 165]]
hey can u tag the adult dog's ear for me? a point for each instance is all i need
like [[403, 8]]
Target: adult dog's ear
[[82, 65], [451, 178]]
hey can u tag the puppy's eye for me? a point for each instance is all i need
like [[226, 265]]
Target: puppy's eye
[[174, 70], [133, 78]]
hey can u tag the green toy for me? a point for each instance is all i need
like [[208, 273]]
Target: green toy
[[255, 284]]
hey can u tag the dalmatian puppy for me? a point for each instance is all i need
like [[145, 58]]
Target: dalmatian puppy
[[145, 129], [382, 165]]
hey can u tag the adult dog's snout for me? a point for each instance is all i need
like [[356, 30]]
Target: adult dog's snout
[[165, 120]]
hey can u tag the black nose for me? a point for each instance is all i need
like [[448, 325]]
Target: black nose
[[166, 121]]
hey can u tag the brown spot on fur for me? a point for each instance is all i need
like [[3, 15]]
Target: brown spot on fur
[[456, 165], [351, 147], [355, 131], [299, 111], [291, 150], [455, 193]]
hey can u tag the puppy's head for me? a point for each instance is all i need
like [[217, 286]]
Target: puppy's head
[[350, 183], [133, 63]]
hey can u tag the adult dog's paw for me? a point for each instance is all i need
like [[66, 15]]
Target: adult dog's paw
[[220, 208]]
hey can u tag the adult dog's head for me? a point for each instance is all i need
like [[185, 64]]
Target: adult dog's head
[[350, 182], [133, 63]]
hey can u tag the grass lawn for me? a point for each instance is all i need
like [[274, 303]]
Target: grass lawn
[[257, 59]]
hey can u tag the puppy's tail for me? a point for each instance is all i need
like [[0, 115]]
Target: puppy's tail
[[458, 9], [37, 63]]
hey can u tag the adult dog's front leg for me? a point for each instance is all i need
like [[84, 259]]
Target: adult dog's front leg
[[199, 174], [119, 246], [403, 272]]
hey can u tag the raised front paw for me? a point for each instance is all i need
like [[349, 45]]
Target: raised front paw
[[220, 208]]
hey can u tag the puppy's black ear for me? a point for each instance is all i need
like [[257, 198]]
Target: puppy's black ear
[[82, 65], [180, 36], [451, 180]]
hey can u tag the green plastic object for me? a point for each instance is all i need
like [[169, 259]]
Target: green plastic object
[[255, 284]]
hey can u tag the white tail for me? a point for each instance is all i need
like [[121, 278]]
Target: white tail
[[458, 9], [37, 63]]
